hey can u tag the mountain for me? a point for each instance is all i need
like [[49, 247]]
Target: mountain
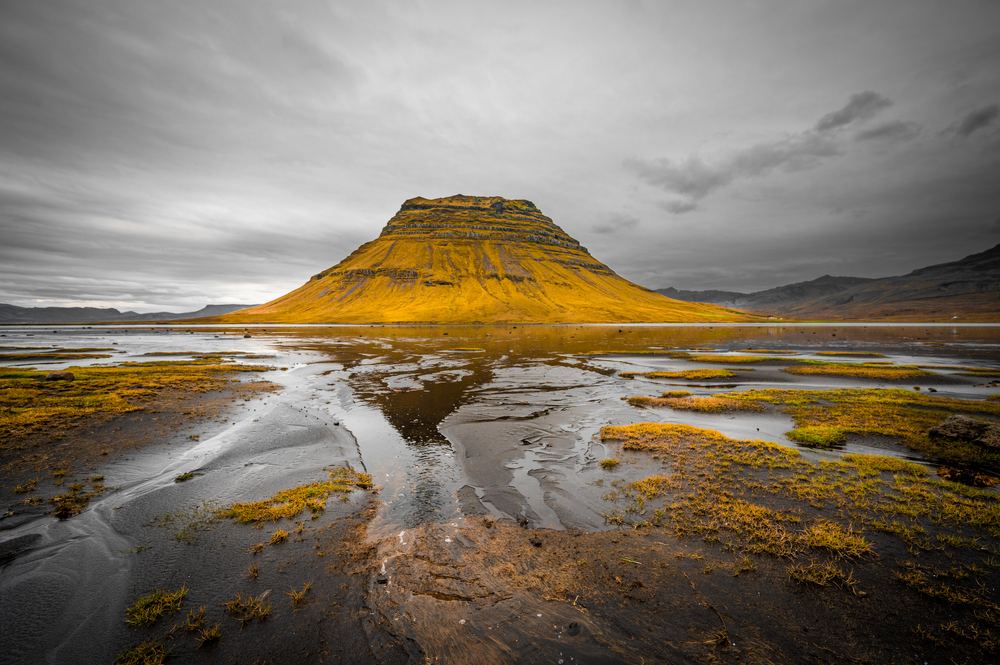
[[470, 259], [10, 314], [965, 290], [769, 299]]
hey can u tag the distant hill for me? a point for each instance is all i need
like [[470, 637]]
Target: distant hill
[[771, 298], [965, 290], [13, 314], [470, 259]]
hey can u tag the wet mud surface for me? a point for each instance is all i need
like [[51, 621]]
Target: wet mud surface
[[479, 440]]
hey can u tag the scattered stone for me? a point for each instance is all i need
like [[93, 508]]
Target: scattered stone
[[931, 390], [522, 521], [381, 579], [962, 428], [573, 629], [537, 542], [59, 376], [247, 336]]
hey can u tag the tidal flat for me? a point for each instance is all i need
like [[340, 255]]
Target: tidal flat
[[575, 494]]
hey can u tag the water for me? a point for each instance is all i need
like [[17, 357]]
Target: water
[[507, 427]]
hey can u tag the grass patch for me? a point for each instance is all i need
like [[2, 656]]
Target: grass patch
[[714, 404], [677, 393], [184, 477], [286, 504], [901, 414], [154, 604], [688, 374], [870, 370], [29, 405], [708, 358], [609, 463], [821, 574], [817, 435], [866, 354]]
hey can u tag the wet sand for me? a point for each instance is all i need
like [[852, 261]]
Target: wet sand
[[474, 454]]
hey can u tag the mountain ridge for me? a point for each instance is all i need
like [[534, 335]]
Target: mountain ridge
[[966, 289], [14, 314]]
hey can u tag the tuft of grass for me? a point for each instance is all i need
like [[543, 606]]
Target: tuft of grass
[[147, 653], [253, 572], [208, 636], [677, 393], [822, 574], [609, 463], [278, 537], [152, 605], [249, 608], [195, 619], [817, 435], [298, 597], [185, 477], [26, 487], [840, 541]]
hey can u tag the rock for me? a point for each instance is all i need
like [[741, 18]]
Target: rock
[[537, 542], [962, 428], [59, 376], [381, 579], [247, 336], [573, 629]]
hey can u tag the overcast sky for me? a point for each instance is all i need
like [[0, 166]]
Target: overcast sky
[[165, 155]]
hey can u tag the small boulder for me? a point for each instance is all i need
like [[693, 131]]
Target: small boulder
[[247, 336], [537, 542], [962, 428], [59, 376]]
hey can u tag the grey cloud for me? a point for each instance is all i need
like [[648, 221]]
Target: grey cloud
[[696, 179], [679, 207], [995, 226], [616, 223], [860, 107], [894, 131], [977, 119]]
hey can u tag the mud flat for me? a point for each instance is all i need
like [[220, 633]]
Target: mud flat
[[525, 504]]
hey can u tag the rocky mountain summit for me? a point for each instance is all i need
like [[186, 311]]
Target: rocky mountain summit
[[472, 259]]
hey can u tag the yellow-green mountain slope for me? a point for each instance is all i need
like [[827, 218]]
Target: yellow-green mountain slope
[[469, 259]]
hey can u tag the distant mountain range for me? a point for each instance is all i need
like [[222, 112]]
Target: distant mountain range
[[13, 314], [967, 290]]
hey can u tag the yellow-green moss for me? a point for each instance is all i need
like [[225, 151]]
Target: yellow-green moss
[[286, 504]]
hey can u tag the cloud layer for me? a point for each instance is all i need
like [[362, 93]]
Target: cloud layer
[[166, 156]]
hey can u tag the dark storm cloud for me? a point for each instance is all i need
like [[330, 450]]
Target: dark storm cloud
[[894, 131], [860, 107], [977, 119], [694, 178], [616, 223]]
